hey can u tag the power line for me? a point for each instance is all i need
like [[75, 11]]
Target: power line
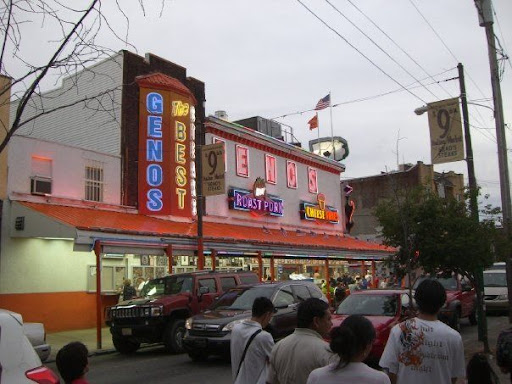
[[355, 48], [505, 56], [398, 46], [380, 48]]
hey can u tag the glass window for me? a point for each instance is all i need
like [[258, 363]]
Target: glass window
[[284, 297], [249, 279], [111, 278], [301, 291], [227, 283], [495, 279], [169, 286], [242, 298], [210, 283], [369, 305], [315, 291], [94, 183]]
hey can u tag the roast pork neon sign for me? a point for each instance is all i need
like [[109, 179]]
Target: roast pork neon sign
[[319, 211], [256, 201]]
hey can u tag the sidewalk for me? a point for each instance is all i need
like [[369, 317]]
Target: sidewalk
[[87, 336]]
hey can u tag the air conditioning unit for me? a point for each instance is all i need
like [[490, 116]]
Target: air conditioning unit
[[40, 186]]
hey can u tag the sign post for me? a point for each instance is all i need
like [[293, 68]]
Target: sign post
[[213, 175]]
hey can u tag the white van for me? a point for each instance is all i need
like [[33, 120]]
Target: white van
[[495, 290]]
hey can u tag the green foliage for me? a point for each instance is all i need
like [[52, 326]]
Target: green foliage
[[435, 233]]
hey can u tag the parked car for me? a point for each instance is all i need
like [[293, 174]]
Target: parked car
[[384, 308], [495, 290], [159, 314], [460, 300], [37, 337], [19, 363], [209, 333]]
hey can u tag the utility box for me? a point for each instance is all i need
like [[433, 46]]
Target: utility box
[[260, 124]]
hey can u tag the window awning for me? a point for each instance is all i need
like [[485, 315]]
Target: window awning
[[85, 224]]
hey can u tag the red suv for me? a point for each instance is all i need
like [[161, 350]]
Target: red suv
[[460, 300], [159, 314]]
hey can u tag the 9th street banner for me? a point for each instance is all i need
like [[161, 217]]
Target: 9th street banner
[[446, 141]]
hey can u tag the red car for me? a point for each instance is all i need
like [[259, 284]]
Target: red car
[[384, 308]]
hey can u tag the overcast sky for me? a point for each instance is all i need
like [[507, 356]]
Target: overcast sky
[[273, 57]]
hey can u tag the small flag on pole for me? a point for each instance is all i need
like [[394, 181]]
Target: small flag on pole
[[323, 103], [313, 123]]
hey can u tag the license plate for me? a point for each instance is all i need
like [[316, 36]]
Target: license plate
[[126, 331]]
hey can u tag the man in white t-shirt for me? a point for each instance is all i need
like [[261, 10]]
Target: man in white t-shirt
[[253, 368], [423, 350]]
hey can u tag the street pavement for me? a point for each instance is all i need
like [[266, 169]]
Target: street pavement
[[153, 365]]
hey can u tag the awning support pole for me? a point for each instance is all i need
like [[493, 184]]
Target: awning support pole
[[168, 252], [363, 269], [327, 281], [213, 256], [260, 266], [373, 275], [272, 274], [97, 252]]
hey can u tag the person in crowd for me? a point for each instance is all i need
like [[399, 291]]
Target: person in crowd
[[339, 293], [354, 286], [424, 350], [251, 345], [294, 357], [73, 363], [140, 283], [364, 283], [128, 291], [352, 341], [479, 371], [504, 351]]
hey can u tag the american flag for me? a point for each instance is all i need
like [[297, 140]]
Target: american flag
[[323, 103]]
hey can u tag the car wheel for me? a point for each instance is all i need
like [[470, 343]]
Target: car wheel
[[125, 345], [173, 337], [198, 356], [472, 318], [455, 321]]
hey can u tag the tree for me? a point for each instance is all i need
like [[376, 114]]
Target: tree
[[436, 234], [70, 33]]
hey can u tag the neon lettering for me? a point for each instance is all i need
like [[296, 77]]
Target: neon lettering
[[155, 126], [154, 175], [155, 103], [154, 150], [180, 192], [154, 202], [181, 176], [180, 153]]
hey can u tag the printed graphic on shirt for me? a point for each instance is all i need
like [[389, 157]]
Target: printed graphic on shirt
[[421, 349]]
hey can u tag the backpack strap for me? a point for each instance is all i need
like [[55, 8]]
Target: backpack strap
[[246, 348]]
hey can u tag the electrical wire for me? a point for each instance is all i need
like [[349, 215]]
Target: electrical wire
[[381, 49], [356, 49], [398, 46], [506, 57]]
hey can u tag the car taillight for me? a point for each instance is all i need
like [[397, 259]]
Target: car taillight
[[42, 375]]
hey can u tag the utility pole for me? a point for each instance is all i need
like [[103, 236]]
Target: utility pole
[[486, 20], [473, 204]]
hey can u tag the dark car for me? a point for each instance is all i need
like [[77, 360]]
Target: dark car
[[460, 300], [384, 308], [209, 333]]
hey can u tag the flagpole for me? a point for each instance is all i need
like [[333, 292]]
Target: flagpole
[[332, 131], [318, 133]]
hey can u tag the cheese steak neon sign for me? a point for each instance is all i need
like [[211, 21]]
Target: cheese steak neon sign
[[320, 211]]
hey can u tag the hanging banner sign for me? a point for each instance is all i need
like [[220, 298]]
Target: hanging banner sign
[[320, 211], [446, 140]]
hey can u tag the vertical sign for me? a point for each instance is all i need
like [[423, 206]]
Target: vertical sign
[[446, 142], [166, 168], [212, 162]]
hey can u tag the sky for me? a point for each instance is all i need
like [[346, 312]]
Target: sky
[[274, 58]]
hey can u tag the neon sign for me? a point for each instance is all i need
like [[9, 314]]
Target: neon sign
[[319, 211], [256, 201]]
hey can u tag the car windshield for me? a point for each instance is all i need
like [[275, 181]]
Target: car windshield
[[242, 298], [495, 279], [449, 283], [370, 305], [168, 286]]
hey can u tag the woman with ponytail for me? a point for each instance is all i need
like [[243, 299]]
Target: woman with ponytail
[[352, 342]]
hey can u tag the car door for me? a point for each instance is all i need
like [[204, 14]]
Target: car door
[[207, 298], [284, 320]]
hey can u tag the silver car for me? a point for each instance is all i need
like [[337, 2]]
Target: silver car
[[19, 363]]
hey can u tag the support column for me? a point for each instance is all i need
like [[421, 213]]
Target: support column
[[260, 266], [363, 269], [168, 253], [97, 252], [214, 257], [373, 275], [327, 281], [200, 253], [272, 274]]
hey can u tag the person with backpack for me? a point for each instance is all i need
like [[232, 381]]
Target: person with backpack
[[504, 351]]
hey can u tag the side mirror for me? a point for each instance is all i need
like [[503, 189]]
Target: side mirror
[[203, 290]]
